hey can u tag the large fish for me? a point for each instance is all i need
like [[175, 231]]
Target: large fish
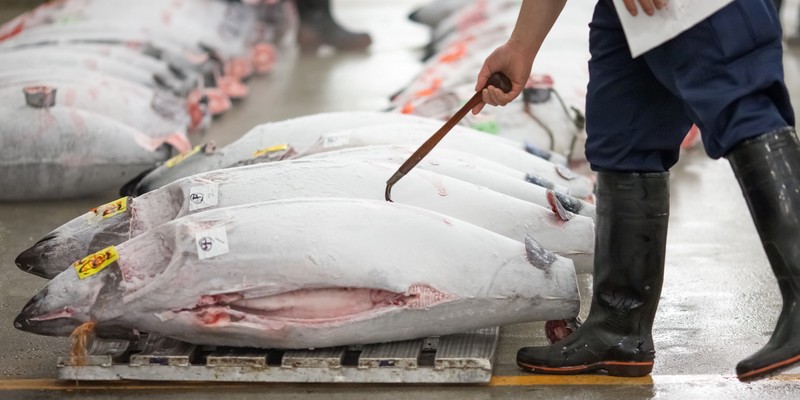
[[300, 133], [564, 234], [50, 151], [194, 58], [259, 142], [468, 168], [58, 57], [157, 113], [463, 139], [308, 273], [227, 28], [115, 61]]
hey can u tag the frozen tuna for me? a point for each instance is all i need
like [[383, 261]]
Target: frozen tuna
[[50, 151], [468, 168], [308, 273], [564, 234], [280, 139], [156, 113]]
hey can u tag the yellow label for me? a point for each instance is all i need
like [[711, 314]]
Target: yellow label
[[111, 209], [95, 263], [180, 157], [271, 149]]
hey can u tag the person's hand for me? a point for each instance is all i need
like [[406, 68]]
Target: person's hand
[[649, 6], [515, 63]]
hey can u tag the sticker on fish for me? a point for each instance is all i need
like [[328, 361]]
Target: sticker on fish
[[180, 157], [203, 196], [211, 243], [335, 140], [96, 262], [271, 149], [107, 210]]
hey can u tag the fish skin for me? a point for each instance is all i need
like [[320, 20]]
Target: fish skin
[[462, 139], [156, 113], [299, 132], [67, 152], [499, 213], [287, 247], [228, 27], [56, 56], [463, 166], [304, 132]]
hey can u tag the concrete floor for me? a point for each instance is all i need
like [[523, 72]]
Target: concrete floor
[[718, 305]]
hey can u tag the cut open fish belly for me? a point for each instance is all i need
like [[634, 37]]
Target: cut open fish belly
[[499, 213], [252, 276], [303, 134], [68, 152]]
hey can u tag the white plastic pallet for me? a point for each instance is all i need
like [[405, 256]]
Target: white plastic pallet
[[462, 358]]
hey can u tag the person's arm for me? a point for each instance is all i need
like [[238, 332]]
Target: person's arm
[[515, 57]]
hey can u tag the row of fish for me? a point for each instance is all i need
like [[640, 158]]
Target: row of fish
[[282, 239], [92, 92], [306, 273], [299, 249]]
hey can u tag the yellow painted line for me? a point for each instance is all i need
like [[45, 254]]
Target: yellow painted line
[[561, 380], [497, 381]]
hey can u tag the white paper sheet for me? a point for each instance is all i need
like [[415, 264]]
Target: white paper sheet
[[645, 32]]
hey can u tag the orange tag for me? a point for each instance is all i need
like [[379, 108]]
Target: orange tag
[[96, 262]]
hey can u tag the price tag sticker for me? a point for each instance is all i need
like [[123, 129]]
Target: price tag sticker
[[211, 243], [204, 196], [107, 210], [335, 140], [94, 263]]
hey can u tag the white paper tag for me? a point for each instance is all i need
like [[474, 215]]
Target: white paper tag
[[211, 243], [204, 196], [335, 140], [645, 32]]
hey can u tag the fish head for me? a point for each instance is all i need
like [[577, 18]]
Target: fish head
[[68, 301], [99, 228]]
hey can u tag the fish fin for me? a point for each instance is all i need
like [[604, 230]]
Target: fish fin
[[131, 187], [558, 208], [537, 255]]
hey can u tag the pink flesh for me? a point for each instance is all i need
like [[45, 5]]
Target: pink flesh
[[263, 57], [66, 312], [239, 68], [312, 306], [232, 86], [218, 101]]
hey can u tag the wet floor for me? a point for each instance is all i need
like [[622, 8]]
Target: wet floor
[[718, 305]]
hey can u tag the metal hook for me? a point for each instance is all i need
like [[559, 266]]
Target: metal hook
[[498, 80]]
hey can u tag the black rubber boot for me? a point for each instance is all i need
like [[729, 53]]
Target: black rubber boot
[[768, 170], [630, 241], [317, 27]]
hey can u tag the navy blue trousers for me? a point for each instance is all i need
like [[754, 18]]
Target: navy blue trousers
[[725, 75]]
